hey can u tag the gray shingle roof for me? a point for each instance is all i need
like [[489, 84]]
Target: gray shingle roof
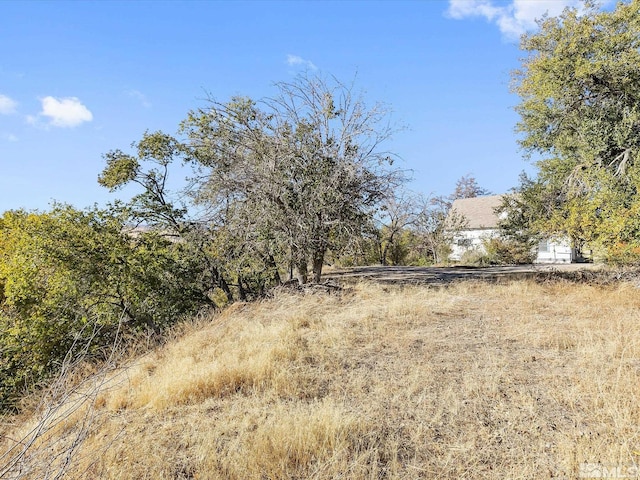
[[478, 211]]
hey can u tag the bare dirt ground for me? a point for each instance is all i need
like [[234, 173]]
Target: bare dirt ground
[[443, 275]]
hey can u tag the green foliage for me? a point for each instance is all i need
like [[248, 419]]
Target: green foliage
[[476, 257], [579, 86], [522, 217], [580, 90], [275, 186], [392, 248], [498, 251], [278, 183], [121, 169], [73, 279], [505, 251], [623, 253], [149, 169], [155, 207]]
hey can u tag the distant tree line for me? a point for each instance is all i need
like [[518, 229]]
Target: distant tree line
[[414, 229]]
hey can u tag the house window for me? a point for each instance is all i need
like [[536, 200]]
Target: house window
[[543, 246], [464, 242]]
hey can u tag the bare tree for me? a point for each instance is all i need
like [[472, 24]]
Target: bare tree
[[397, 213], [436, 226], [467, 187], [294, 175]]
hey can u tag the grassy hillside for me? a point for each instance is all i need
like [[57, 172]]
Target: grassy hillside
[[520, 380]]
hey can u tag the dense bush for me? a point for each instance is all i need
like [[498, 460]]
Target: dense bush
[[72, 280], [501, 251], [622, 253], [475, 257]]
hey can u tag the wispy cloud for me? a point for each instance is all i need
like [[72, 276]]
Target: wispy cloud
[[295, 60], [141, 97], [63, 112], [9, 137], [7, 105], [514, 18]]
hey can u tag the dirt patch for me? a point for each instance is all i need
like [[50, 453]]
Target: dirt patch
[[444, 275]]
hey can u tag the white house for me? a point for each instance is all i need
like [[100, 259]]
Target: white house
[[481, 223]]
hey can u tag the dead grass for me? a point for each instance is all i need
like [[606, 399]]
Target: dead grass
[[518, 380]]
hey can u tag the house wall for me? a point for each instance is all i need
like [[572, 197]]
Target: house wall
[[470, 240], [548, 251], [554, 251]]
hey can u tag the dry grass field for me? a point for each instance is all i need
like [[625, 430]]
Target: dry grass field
[[473, 380]]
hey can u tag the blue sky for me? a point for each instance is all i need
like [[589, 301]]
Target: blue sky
[[78, 79]]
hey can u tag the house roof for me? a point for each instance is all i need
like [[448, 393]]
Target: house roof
[[479, 212]]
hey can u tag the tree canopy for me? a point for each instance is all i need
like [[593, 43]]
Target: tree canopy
[[275, 185], [580, 118]]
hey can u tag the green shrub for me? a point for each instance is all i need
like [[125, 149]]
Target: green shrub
[[500, 251], [72, 281], [475, 257]]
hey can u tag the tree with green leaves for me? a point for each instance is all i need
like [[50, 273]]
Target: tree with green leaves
[[73, 280], [580, 118], [155, 206]]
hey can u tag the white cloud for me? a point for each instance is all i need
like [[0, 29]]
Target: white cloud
[[295, 60], [7, 105], [514, 18], [65, 112], [460, 9], [141, 97]]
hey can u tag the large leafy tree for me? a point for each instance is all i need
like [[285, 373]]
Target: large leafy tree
[[156, 207], [580, 117]]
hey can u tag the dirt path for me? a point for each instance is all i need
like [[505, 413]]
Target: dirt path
[[441, 275]]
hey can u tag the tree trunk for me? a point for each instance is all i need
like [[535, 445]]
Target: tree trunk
[[241, 290], [383, 255], [318, 263], [300, 271], [299, 265], [271, 263], [224, 286], [379, 249]]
